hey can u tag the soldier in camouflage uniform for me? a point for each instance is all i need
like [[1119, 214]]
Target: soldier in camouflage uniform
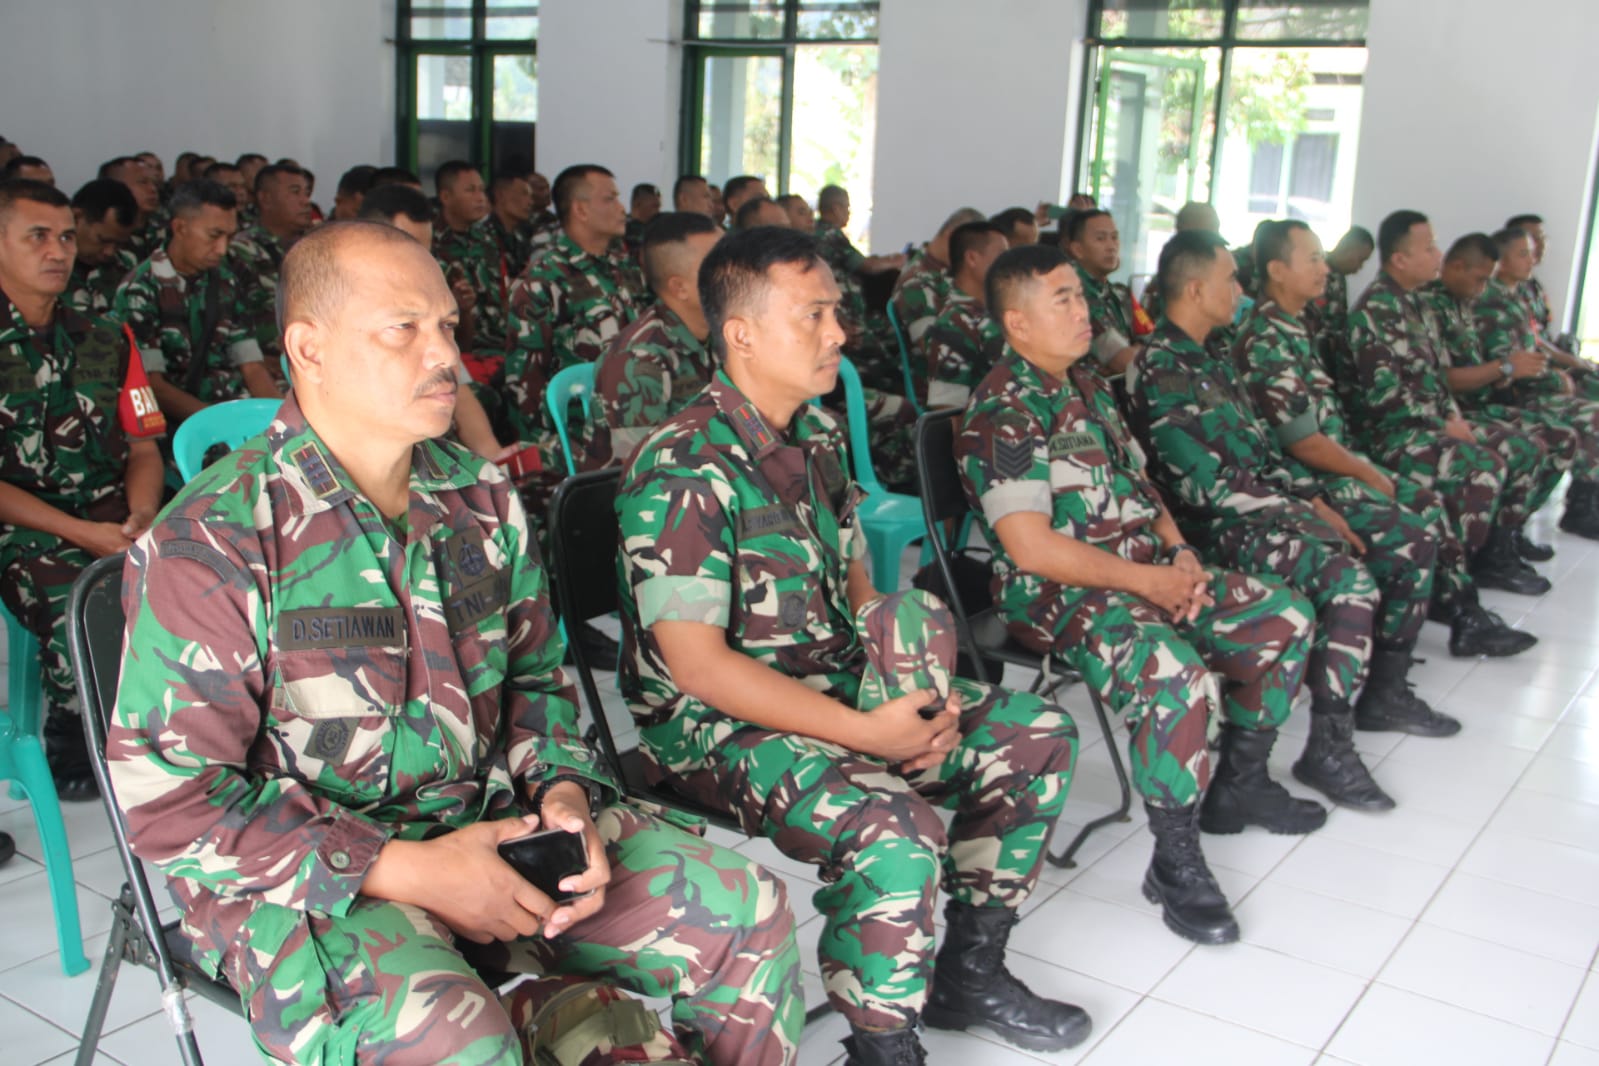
[[509, 221], [923, 285], [183, 307], [644, 204], [104, 211], [1534, 298], [1326, 318], [1365, 564], [80, 473], [342, 690], [1094, 244], [1089, 565], [1501, 376], [871, 343], [963, 343], [660, 362], [1293, 394], [543, 226], [769, 680], [1194, 215], [150, 228], [1410, 422], [475, 266], [255, 255]]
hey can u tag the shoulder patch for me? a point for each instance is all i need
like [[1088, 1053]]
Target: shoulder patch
[[203, 554], [1012, 458]]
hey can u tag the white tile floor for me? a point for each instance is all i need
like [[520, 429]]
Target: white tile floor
[[1461, 928]]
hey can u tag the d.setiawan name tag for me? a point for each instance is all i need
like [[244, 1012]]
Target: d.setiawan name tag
[[341, 627]]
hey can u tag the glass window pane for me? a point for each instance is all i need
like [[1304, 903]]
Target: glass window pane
[[835, 127], [515, 113], [1153, 127], [511, 20], [1161, 20], [739, 121], [442, 20], [741, 20], [443, 110], [1299, 107], [835, 20], [1317, 20]]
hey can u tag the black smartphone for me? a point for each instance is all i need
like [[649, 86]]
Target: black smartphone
[[546, 858]]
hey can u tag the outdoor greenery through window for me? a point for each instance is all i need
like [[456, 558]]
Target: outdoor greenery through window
[[786, 90], [1282, 82], [468, 83]]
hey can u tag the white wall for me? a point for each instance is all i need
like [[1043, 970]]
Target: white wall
[[1452, 131], [977, 104], [610, 74], [86, 80]]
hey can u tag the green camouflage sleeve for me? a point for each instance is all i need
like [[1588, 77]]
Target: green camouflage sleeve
[[1279, 392], [1004, 461], [678, 537], [1378, 341], [636, 395], [135, 304], [1500, 331]]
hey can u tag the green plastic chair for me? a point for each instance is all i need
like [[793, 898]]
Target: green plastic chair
[[231, 423], [22, 762], [904, 343], [891, 521], [576, 382]]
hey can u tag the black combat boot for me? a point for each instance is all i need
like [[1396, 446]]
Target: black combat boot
[[971, 986], [1496, 566], [8, 848], [1191, 901], [1242, 794], [1474, 630], [1529, 550], [1582, 510], [1332, 766], [1387, 703], [67, 752], [890, 1047]]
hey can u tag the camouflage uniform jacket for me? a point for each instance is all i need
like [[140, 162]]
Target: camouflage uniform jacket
[[255, 258], [152, 236], [1110, 308], [60, 437], [306, 681], [920, 293], [477, 255], [845, 260], [1030, 441], [1328, 314], [566, 309], [729, 522], [167, 312], [540, 231], [649, 372], [516, 245], [93, 289], [1400, 375], [960, 349], [1507, 323], [1536, 298], [1217, 461]]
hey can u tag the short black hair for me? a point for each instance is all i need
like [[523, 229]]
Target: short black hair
[[1073, 225], [191, 196], [830, 195], [216, 168], [566, 183], [643, 189], [1394, 229], [102, 195], [1273, 242], [791, 197], [39, 192], [357, 180], [735, 273], [1523, 221], [733, 186], [111, 166], [1357, 235], [1012, 271], [384, 202], [969, 237], [744, 217], [684, 182], [1187, 254], [1473, 246], [1008, 219], [447, 173], [1508, 236], [395, 176], [666, 229], [272, 170], [249, 157], [10, 169]]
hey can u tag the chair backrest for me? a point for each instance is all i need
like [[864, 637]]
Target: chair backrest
[[576, 382], [584, 542], [937, 474], [860, 437], [902, 339], [232, 423]]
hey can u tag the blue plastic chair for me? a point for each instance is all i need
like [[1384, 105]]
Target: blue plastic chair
[[891, 521], [231, 423], [576, 382], [22, 761], [904, 342]]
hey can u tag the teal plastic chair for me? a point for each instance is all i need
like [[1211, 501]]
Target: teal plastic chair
[[576, 382], [22, 762], [231, 423], [891, 521], [904, 342]]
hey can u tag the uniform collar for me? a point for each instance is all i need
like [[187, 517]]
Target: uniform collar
[[1274, 313], [14, 329], [1030, 373], [1174, 338], [675, 327], [757, 435]]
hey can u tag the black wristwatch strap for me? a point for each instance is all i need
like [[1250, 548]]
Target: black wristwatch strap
[[589, 787], [1176, 549]]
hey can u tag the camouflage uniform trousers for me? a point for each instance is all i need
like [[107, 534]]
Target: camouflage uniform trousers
[[873, 830], [1568, 428], [36, 575], [1449, 577], [1527, 467], [389, 984], [1467, 476], [1163, 676]]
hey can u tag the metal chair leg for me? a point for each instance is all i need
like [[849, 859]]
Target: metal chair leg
[[105, 984], [1065, 858]]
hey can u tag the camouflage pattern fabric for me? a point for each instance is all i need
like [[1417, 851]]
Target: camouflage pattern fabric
[[476, 255], [166, 311], [727, 522], [566, 309], [871, 342], [1031, 442], [652, 368], [384, 680], [891, 424], [515, 244], [1110, 311], [93, 289], [920, 292], [572, 1021], [959, 350], [1326, 319], [539, 232], [152, 236], [255, 259]]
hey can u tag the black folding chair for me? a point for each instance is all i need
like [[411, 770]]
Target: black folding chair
[[983, 632], [94, 639]]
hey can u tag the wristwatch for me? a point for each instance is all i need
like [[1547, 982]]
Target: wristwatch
[[1506, 369], [589, 787], [1176, 549]]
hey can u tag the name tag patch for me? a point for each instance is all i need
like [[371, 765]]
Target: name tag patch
[[1064, 444], [315, 628], [761, 521]]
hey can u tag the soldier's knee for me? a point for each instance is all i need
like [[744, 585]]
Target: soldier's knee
[[894, 839]]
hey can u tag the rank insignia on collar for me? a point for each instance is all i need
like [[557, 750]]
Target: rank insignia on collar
[[314, 465], [752, 426]]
